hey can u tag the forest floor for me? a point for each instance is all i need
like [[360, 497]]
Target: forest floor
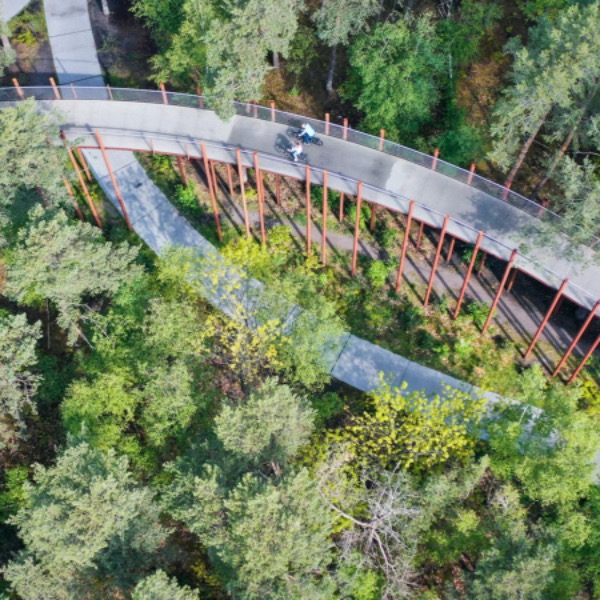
[[29, 39]]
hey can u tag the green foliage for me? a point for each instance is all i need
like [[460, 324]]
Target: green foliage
[[88, 529], [558, 441], [338, 20], [31, 168], [238, 44], [7, 55], [29, 28], [580, 204], [13, 496], [396, 85], [269, 427], [412, 430], [552, 71], [163, 17], [377, 273], [463, 31], [66, 262], [186, 196], [18, 384], [159, 587], [271, 539], [460, 143]]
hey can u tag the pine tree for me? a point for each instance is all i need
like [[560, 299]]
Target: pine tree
[[337, 21], [88, 529], [66, 263], [18, 384]]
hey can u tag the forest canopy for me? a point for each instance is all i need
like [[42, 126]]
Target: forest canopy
[[155, 447]]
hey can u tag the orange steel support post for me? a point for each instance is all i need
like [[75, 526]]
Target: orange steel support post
[[211, 189], [163, 91], [55, 88], [200, 98], [511, 281], [547, 317], [436, 260], [587, 356], [356, 227], [215, 181], [342, 197], [373, 213], [273, 111], [381, 139], [86, 191], [229, 180], [465, 284], [308, 214], [324, 225], [451, 250], [404, 245], [84, 164], [18, 88], [72, 195], [511, 261], [420, 235], [471, 173], [113, 179], [436, 154], [261, 199], [238, 156], [326, 123], [543, 207], [278, 189], [109, 90], [579, 335], [345, 128], [182, 170]]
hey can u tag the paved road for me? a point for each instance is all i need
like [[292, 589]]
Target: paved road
[[389, 181], [11, 8]]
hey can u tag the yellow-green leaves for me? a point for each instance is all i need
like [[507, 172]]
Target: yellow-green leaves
[[414, 431]]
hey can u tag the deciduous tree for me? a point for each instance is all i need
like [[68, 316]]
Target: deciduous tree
[[413, 431], [395, 74]]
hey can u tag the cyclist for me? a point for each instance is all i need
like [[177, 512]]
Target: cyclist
[[307, 133], [296, 150]]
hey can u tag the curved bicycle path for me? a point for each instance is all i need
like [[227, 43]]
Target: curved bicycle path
[[388, 181]]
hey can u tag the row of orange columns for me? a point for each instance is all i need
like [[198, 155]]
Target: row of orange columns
[[211, 180], [212, 186]]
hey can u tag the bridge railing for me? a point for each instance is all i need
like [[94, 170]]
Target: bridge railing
[[248, 109]]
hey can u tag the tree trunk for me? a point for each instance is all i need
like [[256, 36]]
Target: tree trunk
[[565, 145], [331, 71], [276, 60], [105, 8], [525, 149]]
